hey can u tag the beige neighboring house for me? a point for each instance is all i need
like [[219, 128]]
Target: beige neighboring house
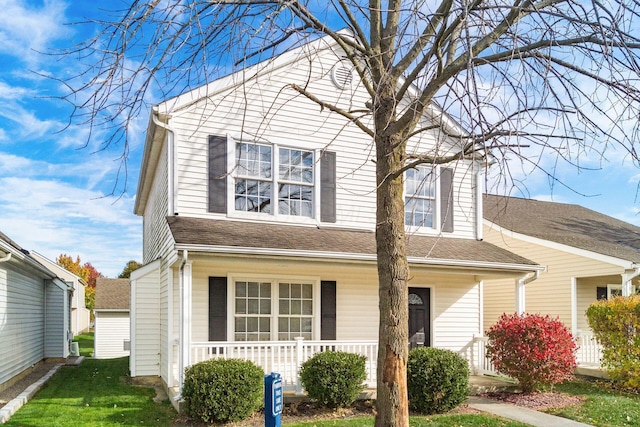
[[112, 337], [79, 311], [259, 215], [587, 255], [35, 313]]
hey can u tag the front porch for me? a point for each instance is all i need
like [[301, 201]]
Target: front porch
[[286, 357]]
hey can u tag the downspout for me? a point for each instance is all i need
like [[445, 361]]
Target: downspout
[[520, 284], [479, 206], [171, 184], [6, 257]]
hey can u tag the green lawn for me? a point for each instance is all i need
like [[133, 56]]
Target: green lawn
[[604, 406], [85, 343], [433, 421]]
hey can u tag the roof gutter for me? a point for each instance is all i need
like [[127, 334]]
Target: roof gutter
[[357, 257], [5, 258]]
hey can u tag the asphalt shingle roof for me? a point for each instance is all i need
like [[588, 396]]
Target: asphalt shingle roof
[[212, 233], [112, 294], [567, 224]]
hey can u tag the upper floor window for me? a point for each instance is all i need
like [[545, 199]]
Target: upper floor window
[[258, 188], [420, 197]]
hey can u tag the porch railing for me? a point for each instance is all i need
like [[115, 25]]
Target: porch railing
[[481, 363], [285, 357], [589, 350]]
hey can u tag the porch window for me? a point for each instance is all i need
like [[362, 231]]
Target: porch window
[[257, 187], [420, 197], [273, 310]]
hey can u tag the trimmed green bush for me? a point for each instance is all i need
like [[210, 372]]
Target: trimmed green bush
[[437, 380], [616, 325], [334, 378], [223, 390]]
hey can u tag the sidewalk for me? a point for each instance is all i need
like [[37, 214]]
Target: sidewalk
[[517, 413]]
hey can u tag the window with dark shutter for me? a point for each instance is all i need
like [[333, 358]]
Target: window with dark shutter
[[328, 187], [217, 174], [217, 308], [446, 200], [327, 310]]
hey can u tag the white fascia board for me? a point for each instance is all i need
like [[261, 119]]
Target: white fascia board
[[148, 165], [626, 264], [145, 269], [355, 257], [111, 310], [19, 256], [237, 78]]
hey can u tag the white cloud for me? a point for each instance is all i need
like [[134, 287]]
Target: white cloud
[[26, 29], [54, 217]]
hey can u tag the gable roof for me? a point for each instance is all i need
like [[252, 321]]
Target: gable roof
[[566, 224], [274, 239], [112, 294]]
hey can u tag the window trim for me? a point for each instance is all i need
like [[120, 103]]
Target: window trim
[[437, 226], [275, 168], [275, 279]]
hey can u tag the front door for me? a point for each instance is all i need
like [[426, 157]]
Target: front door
[[419, 317]]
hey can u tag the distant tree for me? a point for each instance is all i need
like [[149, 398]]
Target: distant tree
[[86, 272], [131, 266]]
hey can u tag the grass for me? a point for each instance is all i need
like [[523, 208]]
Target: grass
[[85, 344], [458, 420], [95, 393], [604, 406]]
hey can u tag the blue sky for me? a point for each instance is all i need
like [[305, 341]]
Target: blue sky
[[55, 195]]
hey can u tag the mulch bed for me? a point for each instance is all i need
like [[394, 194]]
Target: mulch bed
[[538, 401]]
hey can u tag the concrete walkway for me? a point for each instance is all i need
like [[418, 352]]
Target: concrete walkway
[[518, 413]]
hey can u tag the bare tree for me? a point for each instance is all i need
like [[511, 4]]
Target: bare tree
[[557, 76]]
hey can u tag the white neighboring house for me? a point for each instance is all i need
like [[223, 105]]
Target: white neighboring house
[[112, 338], [259, 219], [79, 311], [35, 313]]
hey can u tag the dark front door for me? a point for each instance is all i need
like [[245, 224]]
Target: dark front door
[[419, 317]]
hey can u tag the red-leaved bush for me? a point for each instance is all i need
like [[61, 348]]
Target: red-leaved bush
[[536, 350]]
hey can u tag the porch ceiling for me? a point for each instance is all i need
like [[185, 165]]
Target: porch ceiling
[[236, 234]]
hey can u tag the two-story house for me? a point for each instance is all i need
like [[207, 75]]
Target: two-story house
[[259, 219]]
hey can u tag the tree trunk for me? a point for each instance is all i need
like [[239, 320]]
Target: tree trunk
[[393, 270]]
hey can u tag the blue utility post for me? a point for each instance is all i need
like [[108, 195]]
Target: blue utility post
[[272, 400]]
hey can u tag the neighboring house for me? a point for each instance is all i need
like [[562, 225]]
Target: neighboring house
[[112, 324], [259, 219], [35, 313], [587, 255], [79, 311]]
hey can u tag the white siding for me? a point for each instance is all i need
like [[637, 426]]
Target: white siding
[[267, 109], [455, 299], [21, 320], [156, 235], [111, 332], [146, 341]]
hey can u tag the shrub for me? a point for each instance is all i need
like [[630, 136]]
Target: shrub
[[534, 349], [222, 390], [437, 380], [334, 378], [616, 325]]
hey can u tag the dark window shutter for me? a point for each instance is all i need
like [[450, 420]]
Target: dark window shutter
[[217, 308], [601, 292], [328, 187], [217, 174], [446, 200], [327, 310]]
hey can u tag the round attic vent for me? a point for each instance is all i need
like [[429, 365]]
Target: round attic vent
[[341, 75]]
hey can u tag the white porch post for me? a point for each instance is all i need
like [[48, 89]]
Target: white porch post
[[627, 281], [184, 348], [520, 296], [574, 306]]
